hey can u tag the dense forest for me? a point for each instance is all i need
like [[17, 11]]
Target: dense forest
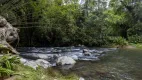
[[70, 39], [75, 22]]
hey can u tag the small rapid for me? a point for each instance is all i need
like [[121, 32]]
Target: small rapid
[[51, 54]]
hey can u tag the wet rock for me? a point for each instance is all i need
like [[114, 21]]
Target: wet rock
[[86, 52], [56, 51], [43, 63], [66, 50], [43, 56], [80, 45], [32, 64], [22, 60], [40, 56], [35, 63], [32, 56], [65, 60], [81, 78], [49, 57]]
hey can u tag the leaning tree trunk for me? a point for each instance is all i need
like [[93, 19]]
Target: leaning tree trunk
[[8, 34]]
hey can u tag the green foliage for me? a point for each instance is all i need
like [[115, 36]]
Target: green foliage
[[7, 62], [135, 39], [136, 45], [117, 41], [8, 9], [28, 73], [7, 65], [136, 30], [11, 66], [5, 72], [66, 22]]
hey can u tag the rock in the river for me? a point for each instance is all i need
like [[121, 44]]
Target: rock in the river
[[81, 78], [22, 60], [86, 52], [56, 51], [65, 60], [35, 64], [43, 63], [43, 56], [40, 56], [32, 64]]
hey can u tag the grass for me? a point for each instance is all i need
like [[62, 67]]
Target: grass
[[129, 46], [137, 45], [27, 73]]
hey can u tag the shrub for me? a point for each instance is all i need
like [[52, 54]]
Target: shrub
[[135, 39], [117, 41], [6, 64]]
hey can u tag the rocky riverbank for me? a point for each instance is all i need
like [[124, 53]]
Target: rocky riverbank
[[65, 57]]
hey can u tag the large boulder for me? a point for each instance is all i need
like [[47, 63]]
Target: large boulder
[[43, 63], [8, 34], [31, 64], [65, 60], [35, 63], [81, 78], [12, 33], [23, 61]]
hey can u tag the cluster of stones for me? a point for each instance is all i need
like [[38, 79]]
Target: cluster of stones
[[61, 61], [66, 62]]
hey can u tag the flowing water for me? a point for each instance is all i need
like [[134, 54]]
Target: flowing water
[[117, 65], [121, 64]]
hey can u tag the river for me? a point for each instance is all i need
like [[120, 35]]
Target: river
[[120, 64]]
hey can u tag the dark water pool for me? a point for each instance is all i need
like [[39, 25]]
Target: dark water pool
[[124, 64]]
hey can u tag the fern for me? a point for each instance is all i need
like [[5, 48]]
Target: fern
[[6, 64], [5, 72]]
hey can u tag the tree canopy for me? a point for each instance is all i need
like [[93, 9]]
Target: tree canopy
[[75, 22]]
